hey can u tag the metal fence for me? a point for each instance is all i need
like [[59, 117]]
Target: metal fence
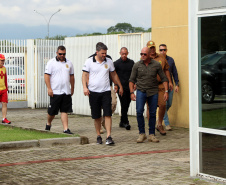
[[15, 63], [80, 48], [39, 52], [28, 59]]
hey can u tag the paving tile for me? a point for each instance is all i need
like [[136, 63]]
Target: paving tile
[[128, 162]]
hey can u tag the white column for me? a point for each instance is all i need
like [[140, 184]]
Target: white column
[[30, 74], [193, 88]]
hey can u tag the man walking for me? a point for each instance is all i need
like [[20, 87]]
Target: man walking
[[123, 68], [161, 102], [96, 75], [173, 75], [3, 90], [113, 91], [144, 74], [59, 79]]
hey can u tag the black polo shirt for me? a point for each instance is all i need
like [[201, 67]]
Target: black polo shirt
[[123, 70]]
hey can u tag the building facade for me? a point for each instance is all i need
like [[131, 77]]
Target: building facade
[[170, 27], [195, 33]]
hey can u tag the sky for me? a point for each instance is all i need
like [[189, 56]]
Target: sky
[[18, 19]]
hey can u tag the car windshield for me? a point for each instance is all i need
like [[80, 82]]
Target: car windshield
[[211, 59]]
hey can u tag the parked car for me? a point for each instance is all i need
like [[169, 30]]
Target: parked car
[[213, 73], [15, 78]]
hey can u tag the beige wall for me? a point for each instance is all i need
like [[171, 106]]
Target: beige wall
[[170, 26]]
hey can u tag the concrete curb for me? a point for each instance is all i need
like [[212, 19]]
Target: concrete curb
[[18, 144], [43, 143]]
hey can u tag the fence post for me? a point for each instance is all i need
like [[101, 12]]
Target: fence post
[[30, 74]]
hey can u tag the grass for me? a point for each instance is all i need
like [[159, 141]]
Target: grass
[[9, 133], [214, 119]]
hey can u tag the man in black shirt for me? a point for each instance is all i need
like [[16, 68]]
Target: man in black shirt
[[123, 67]]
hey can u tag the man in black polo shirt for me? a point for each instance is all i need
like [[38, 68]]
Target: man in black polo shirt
[[123, 67]]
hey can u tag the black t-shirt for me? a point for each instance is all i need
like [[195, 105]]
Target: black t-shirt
[[123, 70]]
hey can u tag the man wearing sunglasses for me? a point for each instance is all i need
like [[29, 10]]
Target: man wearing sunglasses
[[59, 79], [174, 75], [144, 74], [162, 90]]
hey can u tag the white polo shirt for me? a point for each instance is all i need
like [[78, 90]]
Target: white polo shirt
[[98, 74], [60, 75]]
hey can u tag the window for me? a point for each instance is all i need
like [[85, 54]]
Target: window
[[212, 74]]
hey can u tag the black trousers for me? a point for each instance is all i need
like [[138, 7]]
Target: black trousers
[[125, 102]]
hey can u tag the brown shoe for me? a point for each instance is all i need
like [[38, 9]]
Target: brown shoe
[[101, 131], [152, 138], [161, 129], [141, 138], [168, 128], [103, 123]]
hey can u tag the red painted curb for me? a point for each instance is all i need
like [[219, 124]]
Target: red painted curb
[[92, 157]]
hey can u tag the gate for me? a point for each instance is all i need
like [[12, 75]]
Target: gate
[[40, 51], [15, 63]]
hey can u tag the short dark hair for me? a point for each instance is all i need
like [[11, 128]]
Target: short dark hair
[[61, 48], [163, 45], [100, 46], [123, 48]]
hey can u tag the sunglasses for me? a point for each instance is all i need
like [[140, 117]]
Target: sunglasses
[[62, 54], [143, 54], [162, 49]]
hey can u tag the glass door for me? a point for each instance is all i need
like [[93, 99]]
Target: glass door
[[212, 86]]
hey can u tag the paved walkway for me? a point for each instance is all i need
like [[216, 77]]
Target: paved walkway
[[127, 162]]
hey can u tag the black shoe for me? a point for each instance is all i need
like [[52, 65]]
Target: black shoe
[[48, 127], [99, 140], [125, 125], [109, 141], [68, 131]]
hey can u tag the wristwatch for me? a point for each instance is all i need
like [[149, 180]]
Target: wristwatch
[[132, 93], [166, 91]]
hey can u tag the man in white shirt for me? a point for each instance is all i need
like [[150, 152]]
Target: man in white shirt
[[96, 75], [59, 79]]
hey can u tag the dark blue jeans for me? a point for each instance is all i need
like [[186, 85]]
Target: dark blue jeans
[[141, 99]]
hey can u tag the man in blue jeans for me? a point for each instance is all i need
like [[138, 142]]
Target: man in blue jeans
[[144, 74], [174, 75]]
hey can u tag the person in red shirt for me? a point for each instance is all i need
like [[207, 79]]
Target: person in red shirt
[[3, 89]]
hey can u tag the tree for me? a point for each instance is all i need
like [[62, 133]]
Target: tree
[[57, 37], [111, 29], [89, 34], [96, 33], [149, 30], [124, 27], [139, 29]]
